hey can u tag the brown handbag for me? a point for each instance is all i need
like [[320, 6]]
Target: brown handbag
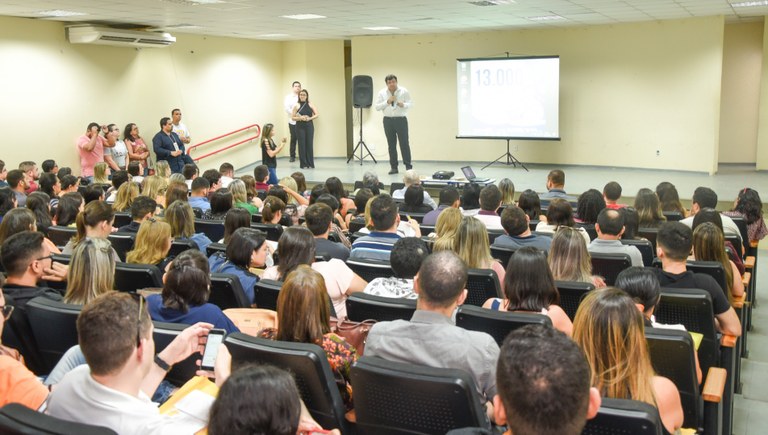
[[354, 333]]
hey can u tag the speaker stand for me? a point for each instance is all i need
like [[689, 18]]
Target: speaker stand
[[364, 151], [511, 160]]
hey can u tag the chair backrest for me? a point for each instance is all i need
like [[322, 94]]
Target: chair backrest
[[625, 417], [362, 306], [214, 248], [18, 335], [482, 284], [571, 294], [255, 218], [370, 270], [122, 243], [417, 216], [227, 292], [497, 324], [274, 231], [18, 419], [650, 234], [309, 365], [213, 229], [395, 186], [712, 268], [673, 216], [356, 225], [265, 293], [645, 247], [132, 277], [609, 265], [492, 234], [122, 219], [589, 228], [54, 326], [693, 309], [163, 334], [398, 398], [426, 229], [61, 235], [741, 223], [672, 355], [502, 254], [180, 245]]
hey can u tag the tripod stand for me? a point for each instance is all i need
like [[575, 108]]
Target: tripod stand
[[361, 145], [511, 160]]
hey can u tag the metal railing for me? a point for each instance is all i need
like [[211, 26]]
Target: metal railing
[[197, 159]]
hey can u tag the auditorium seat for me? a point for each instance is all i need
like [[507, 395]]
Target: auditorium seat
[[497, 324]]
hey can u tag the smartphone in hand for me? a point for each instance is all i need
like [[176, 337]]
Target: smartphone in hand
[[215, 338]]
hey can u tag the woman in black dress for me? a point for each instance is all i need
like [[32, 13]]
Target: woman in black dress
[[303, 113]]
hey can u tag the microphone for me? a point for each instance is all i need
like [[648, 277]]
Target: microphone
[[394, 101]]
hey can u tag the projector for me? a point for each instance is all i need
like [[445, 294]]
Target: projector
[[443, 175]]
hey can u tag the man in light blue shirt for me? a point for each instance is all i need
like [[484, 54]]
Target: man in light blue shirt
[[199, 196]]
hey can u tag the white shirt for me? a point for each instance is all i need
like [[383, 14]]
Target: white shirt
[[79, 398], [400, 194], [181, 129], [491, 222], [729, 226], [289, 101], [401, 94], [225, 181]]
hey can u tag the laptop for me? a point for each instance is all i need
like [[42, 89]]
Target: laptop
[[469, 174]]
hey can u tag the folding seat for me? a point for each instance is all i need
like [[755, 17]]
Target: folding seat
[[362, 306], [18, 419], [133, 277], [482, 284], [54, 327], [497, 324], [227, 292], [609, 265], [571, 294]]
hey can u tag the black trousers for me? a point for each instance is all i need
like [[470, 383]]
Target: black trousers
[[294, 139], [396, 128], [306, 135]]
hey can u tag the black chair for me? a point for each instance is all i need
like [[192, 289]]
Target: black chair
[[571, 294], [712, 268], [227, 292], [532, 224], [122, 243], [273, 231], [356, 225], [497, 324], [397, 398], [589, 228], [213, 229], [214, 248], [18, 335], [609, 265], [369, 269], [309, 365], [60, 235], [180, 245], [18, 419], [672, 355], [133, 277], [163, 334], [395, 186], [741, 223], [418, 217], [502, 254], [492, 234], [198, 212], [645, 247], [625, 417], [673, 216], [54, 326], [265, 293], [362, 306], [650, 234], [256, 218], [122, 219], [482, 284]]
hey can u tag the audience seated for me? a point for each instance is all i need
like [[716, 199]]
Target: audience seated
[[227, 172], [673, 245], [26, 258], [413, 200], [709, 245], [569, 260], [246, 248], [446, 229], [560, 215], [240, 197], [153, 242], [631, 223], [181, 218], [177, 191], [518, 232], [7, 201], [3, 174], [470, 199], [530, 287], [186, 288], [16, 181], [272, 211], [669, 198], [70, 205], [95, 221], [91, 271], [125, 196], [142, 208], [490, 201], [531, 204], [362, 197], [431, 337], [336, 188], [338, 225], [199, 196], [612, 194], [319, 220], [301, 183], [648, 209], [588, 206], [609, 329], [507, 189], [155, 187], [704, 197], [22, 219], [303, 316], [234, 219], [555, 186], [471, 245], [378, 244], [406, 258], [297, 247], [119, 178], [411, 178], [51, 186], [610, 228], [261, 175], [449, 197], [749, 206], [221, 203], [40, 204]]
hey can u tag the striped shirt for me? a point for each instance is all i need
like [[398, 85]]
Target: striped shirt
[[375, 246]]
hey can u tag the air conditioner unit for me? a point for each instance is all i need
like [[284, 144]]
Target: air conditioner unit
[[119, 37]]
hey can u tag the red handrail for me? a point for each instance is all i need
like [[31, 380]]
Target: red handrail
[[258, 133]]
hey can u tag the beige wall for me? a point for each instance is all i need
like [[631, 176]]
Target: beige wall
[[740, 95], [626, 91], [762, 130]]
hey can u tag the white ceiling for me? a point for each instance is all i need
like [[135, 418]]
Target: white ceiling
[[262, 19]]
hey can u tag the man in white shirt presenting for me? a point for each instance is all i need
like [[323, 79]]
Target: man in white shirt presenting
[[289, 101], [395, 101]]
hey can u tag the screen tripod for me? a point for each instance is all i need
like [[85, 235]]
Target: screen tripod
[[511, 160], [361, 145]]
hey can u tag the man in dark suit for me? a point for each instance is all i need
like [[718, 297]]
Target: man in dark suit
[[169, 147]]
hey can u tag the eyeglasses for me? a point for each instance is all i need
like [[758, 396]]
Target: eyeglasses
[[47, 257], [140, 300], [6, 311]]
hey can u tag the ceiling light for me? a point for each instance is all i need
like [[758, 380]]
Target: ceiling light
[[547, 18], [60, 13], [303, 16], [750, 4], [381, 28]]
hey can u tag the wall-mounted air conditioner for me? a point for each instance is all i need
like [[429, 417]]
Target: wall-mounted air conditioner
[[108, 36]]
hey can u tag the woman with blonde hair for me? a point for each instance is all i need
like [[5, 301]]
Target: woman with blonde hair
[[709, 245], [240, 196], [91, 271], [472, 246], [100, 173], [303, 316], [609, 328], [649, 209], [153, 242], [447, 226], [181, 218], [569, 259], [155, 187], [162, 169], [126, 193], [507, 189]]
